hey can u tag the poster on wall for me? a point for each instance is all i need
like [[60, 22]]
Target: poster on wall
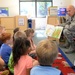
[[4, 11], [21, 21], [62, 12], [53, 11]]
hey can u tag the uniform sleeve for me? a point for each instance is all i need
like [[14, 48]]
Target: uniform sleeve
[[72, 24], [72, 27]]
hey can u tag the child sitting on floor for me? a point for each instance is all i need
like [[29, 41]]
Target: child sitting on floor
[[47, 52], [18, 34], [22, 61], [30, 33]]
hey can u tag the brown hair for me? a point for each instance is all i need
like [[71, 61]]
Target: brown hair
[[46, 51], [5, 36], [28, 31], [21, 45], [19, 34], [16, 29]]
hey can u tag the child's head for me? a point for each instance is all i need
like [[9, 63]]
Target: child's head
[[5, 37], [16, 29], [47, 52], [29, 32], [21, 46], [19, 34]]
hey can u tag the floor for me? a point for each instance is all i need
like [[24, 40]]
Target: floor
[[40, 35]]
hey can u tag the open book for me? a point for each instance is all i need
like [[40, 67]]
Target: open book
[[54, 31]]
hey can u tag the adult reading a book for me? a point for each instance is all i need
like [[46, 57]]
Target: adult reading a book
[[69, 29]]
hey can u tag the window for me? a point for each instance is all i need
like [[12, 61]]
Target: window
[[27, 8], [42, 8], [34, 8]]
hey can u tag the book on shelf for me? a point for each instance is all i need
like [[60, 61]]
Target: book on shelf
[[53, 31]]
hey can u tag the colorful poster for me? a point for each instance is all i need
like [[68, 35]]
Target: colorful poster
[[62, 12], [3, 12]]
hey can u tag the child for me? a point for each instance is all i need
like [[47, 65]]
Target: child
[[22, 61], [5, 49], [47, 52], [30, 33], [15, 30], [10, 63]]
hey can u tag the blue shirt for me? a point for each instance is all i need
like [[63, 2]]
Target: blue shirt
[[44, 70], [5, 52]]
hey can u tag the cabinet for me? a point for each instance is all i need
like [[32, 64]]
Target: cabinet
[[52, 20], [21, 22], [8, 23]]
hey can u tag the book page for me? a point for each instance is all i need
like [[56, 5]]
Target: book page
[[49, 29], [54, 31], [57, 32]]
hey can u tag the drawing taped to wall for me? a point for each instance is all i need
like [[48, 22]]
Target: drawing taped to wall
[[21, 21]]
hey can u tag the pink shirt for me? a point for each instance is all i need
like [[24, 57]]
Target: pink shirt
[[25, 62]]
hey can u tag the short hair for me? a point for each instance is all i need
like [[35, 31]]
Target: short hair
[[15, 30], [5, 36], [28, 31], [19, 34], [46, 51]]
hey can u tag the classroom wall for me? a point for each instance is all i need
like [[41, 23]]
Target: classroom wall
[[62, 3], [13, 6], [73, 2]]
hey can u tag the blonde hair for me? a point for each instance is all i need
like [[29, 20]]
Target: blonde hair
[[46, 51]]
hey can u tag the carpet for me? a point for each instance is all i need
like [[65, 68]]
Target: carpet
[[64, 64]]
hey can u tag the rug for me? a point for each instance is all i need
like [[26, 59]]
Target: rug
[[64, 64]]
